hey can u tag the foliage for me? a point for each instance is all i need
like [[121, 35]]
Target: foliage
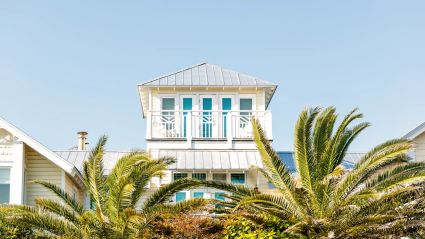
[[115, 197], [239, 227], [186, 226], [381, 196]]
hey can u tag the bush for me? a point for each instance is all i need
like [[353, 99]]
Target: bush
[[238, 227], [187, 226]]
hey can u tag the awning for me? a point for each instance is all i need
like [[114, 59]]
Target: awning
[[213, 159]]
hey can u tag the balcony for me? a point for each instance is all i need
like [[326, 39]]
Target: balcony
[[206, 125]]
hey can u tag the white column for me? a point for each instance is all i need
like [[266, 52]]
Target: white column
[[17, 174], [189, 129], [148, 125], [229, 128]]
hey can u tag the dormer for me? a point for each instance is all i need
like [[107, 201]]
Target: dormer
[[205, 102]]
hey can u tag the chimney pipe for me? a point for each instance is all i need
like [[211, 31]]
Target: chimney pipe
[[82, 140]]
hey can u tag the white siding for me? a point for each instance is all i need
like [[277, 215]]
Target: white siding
[[39, 168], [70, 186], [419, 143]]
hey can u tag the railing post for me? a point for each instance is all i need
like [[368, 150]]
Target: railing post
[[269, 128], [149, 125], [229, 128], [189, 129]]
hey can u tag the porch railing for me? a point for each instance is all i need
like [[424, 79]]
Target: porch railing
[[206, 125]]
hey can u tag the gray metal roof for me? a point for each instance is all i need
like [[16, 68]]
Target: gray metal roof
[[213, 159], [77, 157], [197, 159], [206, 74], [415, 132]]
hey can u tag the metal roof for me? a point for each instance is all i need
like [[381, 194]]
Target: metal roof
[[206, 74], [213, 159], [77, 157], [416, 132], [199, 159]]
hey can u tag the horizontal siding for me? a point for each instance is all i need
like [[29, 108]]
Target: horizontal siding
[[70, 185], [37, 167], [419, 145]]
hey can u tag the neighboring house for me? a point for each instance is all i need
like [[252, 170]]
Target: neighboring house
[[417, 135], [23, 159]]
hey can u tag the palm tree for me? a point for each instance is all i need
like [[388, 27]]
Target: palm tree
[[381, 195], [114, 196]]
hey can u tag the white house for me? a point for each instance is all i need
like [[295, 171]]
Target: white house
[[23, 160], [417, 135], [201, 116]]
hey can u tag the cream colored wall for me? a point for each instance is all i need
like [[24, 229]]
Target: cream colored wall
[[37, 167], [70, 185], [419, 145]]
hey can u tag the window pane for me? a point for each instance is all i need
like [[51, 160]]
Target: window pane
[[246, 104], [180, 196], [207, 103], [198, 194], [178, 176], [220, 177], [199, 176], [271, 185], [226, 103], [237, 178], [4, 185], [219, 196], [167, 103], [187, 103]]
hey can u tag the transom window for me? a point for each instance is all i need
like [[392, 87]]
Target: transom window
[[199, 176], [219, 177], [237, 178], [177, 176]]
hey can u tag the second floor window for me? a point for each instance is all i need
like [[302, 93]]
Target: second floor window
[[237, 178], [199, 176], [178, 176]]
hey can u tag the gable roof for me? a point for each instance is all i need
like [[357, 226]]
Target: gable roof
[[416, 132], [43, 150], [207, 75]]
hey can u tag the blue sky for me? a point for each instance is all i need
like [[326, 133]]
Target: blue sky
[[74, 65]]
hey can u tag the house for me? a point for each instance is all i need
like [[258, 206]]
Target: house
[[23, 160], [202, 115], [417, 135]]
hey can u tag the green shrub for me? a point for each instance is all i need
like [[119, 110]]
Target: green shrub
[[240, 228]]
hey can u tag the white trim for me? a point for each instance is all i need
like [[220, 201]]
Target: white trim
[[415, 132], [54, 158]]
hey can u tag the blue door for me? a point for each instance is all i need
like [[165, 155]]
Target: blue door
[[187, 106], [207, 121], [180, 196], [226, 105]]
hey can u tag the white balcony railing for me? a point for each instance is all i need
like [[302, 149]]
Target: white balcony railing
[[205, 124]]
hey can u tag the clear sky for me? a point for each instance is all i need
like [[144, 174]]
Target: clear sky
[[67, 66]]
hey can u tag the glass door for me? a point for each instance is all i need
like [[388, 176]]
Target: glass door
[[225, 106], [207, 120], [168, 118], [187, 106]]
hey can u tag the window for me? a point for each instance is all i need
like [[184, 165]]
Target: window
[[199, 176], [220, 177], [219, 196], [245, 104], [237, 178], [180, 196], [74, 194], [271, 185], [168, 104], [198, 195], [4, 185], [178, 176]]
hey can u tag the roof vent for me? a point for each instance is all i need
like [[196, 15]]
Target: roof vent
[[82, 140]]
